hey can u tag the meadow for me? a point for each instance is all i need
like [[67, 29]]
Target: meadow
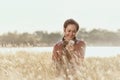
[[38, 66]]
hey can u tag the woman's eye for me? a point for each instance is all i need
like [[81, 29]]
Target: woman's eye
[[74, 31], [69, 30]]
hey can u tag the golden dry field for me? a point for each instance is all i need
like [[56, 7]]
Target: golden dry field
[[39, 66]]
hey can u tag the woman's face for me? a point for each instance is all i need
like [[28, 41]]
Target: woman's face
[[70, 32]]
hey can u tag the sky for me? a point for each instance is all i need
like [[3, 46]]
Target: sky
[[49, 15]]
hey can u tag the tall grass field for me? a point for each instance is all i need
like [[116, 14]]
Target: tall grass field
[[39, 66]]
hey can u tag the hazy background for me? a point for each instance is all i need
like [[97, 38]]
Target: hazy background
[[31, 27], [49, 15]]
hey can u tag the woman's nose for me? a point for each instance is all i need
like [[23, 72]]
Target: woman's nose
[[71, 33]]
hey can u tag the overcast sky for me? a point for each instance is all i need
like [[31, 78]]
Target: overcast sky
[[49, 15]]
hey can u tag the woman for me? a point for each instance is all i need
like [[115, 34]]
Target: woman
[[69, 52]]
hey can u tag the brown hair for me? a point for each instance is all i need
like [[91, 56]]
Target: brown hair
[[71, 21]]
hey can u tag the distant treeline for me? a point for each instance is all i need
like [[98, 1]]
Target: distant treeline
[[95, 37]]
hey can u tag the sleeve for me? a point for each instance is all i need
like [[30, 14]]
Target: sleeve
[[81, 50], [56, 53]]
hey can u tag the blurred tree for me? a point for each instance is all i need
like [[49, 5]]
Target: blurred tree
[[43, 38]]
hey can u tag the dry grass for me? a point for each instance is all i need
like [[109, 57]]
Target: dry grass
[[37, 66]]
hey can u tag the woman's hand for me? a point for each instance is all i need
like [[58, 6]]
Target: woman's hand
[[70, 45]]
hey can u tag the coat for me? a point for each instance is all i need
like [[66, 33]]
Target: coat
[[59, 50]]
